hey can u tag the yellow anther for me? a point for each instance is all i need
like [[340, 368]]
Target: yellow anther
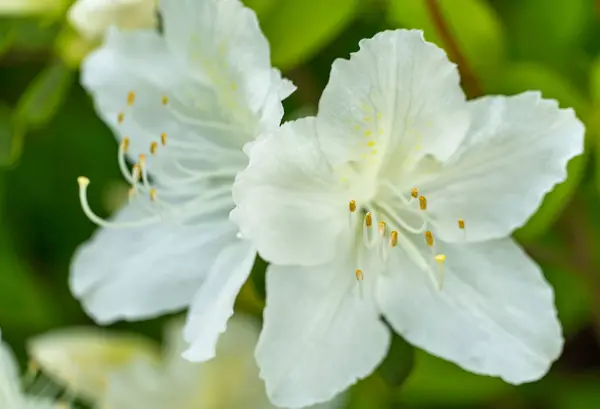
[[125, 144], [381, 228], [120, 118], [440, 258], [163, 139], [429, 238], [352, 205], [130, 98], [153, 194], [153, 148], [422, 202], [368, 132], [414, 192], [359, 275], [394, 238], [368, 219], [371, 144], [461, 224], [83, 181], [165, 100], [142, 159]]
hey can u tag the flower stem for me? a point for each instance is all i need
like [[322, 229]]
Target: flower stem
[[469, 79]]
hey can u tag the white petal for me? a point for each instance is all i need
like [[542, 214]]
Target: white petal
[[10, 389], [495, 314], [515, 152], [289, 203], [221, 41], [132, 273], [397, 92], [212, 305], [82, 358], [319, 335]]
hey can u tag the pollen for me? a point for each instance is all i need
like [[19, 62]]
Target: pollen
[[359, 275], [142, 159], [440, 258], [120, 118], [461, 224], [368, 132], [414, 192], [165, 100], [125, 144], [83, 181], [374, 152], [130, 98], [153, 148], [429, 238], [352, 206], [163, 139], [381, 228], [422, 202], [153, 194], [371, 144], [368, 219], [394, 238]]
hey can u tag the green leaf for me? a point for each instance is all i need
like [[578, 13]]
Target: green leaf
[[398, 363], [44, 96], [434, 381], [11, 137], [476, 28], [258, 277], [520, 77], [298, 29], [260, 7]]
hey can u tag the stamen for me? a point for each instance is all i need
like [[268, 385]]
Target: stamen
[[461, 224], [153, 194], [368, 219], [125, 144], [165, 100], [429, 238], [382, 227], [142, 159], [120, 118], [359, 275], [163, 139], [440, 259], [422, 202], [352, 206], [153, 148], [414, 192], [136, 172], [130, 98], [83, 185], [394, 238]]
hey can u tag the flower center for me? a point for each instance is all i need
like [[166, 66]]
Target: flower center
[[180, 190], [389, 223]]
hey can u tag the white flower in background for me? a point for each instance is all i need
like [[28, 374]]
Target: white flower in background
[[183, 105], [230, 381], [398, 200], [12, 395], [93, 17]]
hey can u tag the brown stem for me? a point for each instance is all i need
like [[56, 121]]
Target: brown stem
[[469, 79]]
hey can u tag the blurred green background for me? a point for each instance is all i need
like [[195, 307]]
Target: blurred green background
[[49, 135]]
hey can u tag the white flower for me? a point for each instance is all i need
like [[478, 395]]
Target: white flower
[[12, 395], [93, 17], [183, 105], [140, 381], [398, 200]]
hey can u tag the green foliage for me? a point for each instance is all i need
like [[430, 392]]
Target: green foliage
[[475, 26], [11, 136], [298, 29], [399, 362]]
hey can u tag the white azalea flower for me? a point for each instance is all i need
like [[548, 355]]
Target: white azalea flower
[[229, 381], [12, 395], [398, 200], [93, 17], [183, 105]]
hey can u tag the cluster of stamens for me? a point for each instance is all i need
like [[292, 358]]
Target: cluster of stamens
[[387, 242]]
